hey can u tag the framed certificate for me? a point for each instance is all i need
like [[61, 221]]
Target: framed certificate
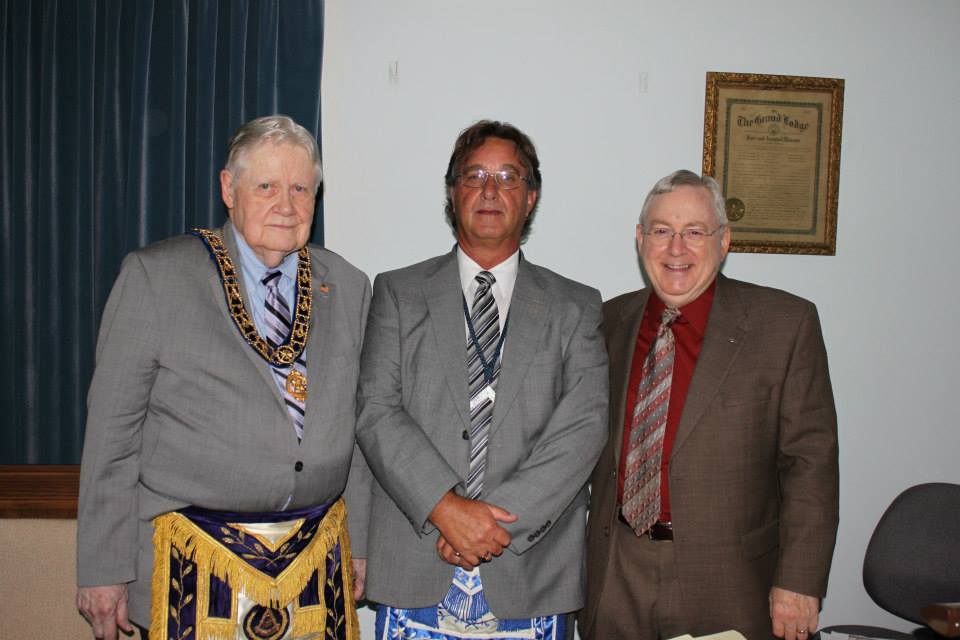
[[773, 144]]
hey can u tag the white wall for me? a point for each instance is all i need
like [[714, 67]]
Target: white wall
[[401, 79]]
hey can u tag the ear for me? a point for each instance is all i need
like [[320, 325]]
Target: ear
[[725, 242], [640, 237], [531, 200], [226, 188]]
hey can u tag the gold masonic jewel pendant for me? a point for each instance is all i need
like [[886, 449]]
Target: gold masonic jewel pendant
[[297, 385]]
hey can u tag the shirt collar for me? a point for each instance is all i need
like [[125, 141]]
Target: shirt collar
[[696, 312], [254, 270], [505, 272]]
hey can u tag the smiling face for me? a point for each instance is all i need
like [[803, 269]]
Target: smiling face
[[678, 273], [490, 219], [271, 199]]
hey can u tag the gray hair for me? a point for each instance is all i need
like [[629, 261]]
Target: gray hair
[[684, 178], [278, 129]]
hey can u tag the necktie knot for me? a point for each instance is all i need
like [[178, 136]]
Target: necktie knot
[[669, 316], [486, 279], [272, 279], [276, 310]]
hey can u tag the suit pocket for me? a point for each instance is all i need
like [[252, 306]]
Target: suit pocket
[[739, 397], [761, 541], [755, 387]]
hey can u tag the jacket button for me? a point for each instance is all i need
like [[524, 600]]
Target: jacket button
[[298, 466], [465, 435], [531, 538], [606, 531], [613, 474]]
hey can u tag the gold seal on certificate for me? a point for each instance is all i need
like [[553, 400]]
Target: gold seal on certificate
[[735, 209]]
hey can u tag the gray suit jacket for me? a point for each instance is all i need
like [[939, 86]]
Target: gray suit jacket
[[753, 470], [548, 428], [182, 411]]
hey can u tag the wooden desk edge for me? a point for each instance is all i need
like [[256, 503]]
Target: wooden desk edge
[[39, 490]]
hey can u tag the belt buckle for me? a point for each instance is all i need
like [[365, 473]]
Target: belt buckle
[[660, 531]]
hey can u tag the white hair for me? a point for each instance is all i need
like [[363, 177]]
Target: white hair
[[684, 178], [277, 129]]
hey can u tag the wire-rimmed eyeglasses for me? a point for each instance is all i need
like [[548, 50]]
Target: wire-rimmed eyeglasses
[[505, 178], [692, 237]]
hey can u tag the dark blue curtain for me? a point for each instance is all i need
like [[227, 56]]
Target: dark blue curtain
[[115, 118]]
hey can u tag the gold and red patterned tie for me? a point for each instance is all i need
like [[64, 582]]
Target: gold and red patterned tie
[[641, 486]]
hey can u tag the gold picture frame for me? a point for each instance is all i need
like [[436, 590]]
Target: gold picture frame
[[773, 144]]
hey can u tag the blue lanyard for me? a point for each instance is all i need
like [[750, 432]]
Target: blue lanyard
[[488, 367]]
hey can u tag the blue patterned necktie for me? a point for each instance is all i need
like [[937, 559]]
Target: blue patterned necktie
[[277, 316]]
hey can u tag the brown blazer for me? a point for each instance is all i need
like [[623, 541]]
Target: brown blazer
[[753, 471]]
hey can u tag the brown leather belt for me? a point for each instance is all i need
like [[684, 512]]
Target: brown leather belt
[[658, 531]]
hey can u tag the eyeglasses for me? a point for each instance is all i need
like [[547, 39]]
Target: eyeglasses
[[506, 178], [694, 237]]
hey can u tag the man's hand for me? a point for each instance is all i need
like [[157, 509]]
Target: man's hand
[[448, 554], [105, 608], [794, 615], [359, 567], [470, 530]]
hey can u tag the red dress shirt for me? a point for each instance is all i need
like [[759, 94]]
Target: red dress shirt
[[688, 332]]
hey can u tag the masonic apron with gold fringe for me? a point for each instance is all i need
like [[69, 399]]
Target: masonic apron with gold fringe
[[253, 576], [256, 576]]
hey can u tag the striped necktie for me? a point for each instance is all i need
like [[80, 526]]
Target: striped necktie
[[465, 598], [641, 486], [483, 372], [277, 316]]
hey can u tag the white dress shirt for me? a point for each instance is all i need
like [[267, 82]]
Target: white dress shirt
[[506, 277]]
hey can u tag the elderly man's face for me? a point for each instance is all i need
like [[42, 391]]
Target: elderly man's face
[[490, 215], [678, 272], [271, 201]]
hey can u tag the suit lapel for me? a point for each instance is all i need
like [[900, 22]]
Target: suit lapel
[[445, 304], [623, 343], [529, 312], [318, 343], [725, 333]]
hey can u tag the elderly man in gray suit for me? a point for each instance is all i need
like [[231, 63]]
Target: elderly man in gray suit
[[483, 394], [221, 415]]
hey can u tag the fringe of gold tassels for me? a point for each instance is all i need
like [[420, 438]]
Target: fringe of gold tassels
[[174, 532]]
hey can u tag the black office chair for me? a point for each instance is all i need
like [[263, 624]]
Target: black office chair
[[913, 562]]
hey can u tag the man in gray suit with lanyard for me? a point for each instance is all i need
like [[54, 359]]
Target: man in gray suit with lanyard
[[220, 427], [483, 399]]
